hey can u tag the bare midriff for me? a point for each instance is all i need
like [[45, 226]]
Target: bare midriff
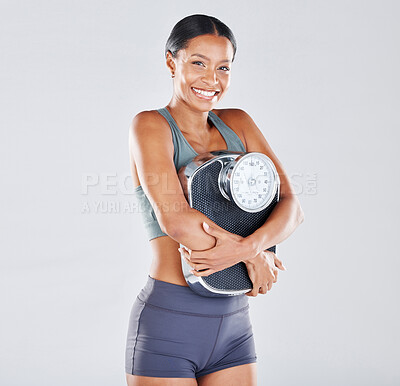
[[166, 264]]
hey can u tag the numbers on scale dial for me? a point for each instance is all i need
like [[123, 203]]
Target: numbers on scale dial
[[252, 182]]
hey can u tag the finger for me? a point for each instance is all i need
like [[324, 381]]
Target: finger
[[201, 260], [188, 261], [197, 267], [193, 257], [279, 264], [249, 293], [276, 276], [269, 285], [254, 291], [207, 228], [184, 253], [183, 250], [187, 249], [202, 273], [262, 289], [212, 230], [199, 256]]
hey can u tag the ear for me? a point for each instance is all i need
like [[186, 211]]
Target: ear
[[170, 61]]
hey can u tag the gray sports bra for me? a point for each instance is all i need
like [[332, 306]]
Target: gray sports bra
[[183, 153]]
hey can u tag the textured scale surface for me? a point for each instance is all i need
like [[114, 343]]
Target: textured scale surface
[[207, 198]]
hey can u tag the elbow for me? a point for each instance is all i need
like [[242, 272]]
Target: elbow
[[297, 210], [166, 227], [169, 225], [176, 223]]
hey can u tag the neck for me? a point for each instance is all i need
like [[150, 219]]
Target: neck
[[188, 120]]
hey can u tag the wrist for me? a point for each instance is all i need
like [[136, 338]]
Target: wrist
[[250, 249]]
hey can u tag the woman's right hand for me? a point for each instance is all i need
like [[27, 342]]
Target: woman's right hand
[[263, 272]]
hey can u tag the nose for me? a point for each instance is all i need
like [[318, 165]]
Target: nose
[[210, 77]]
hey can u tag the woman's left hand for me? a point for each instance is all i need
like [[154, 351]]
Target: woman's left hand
[[229, 250]]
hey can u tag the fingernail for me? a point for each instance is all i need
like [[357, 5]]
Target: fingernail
[[284, 267], [206, 225]]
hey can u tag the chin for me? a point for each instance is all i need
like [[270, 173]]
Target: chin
[[205, 106], [206, 109]]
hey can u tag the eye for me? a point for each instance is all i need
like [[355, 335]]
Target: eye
[[227, 68], [197, 61]]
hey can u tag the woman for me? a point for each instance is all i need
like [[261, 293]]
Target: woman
[[175, 336]]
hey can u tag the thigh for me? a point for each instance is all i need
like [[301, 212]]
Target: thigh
[[234, 353], [168, 344], [137, 380], [243, 375]]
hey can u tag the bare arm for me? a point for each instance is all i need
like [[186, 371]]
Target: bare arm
[[151, 146], [287, 214]]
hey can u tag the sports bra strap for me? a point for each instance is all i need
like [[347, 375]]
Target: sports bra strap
[[232, 140]]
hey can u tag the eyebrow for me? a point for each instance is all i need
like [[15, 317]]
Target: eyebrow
[[205, 57]]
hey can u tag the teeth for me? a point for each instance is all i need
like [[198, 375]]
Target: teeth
[[206, 93]]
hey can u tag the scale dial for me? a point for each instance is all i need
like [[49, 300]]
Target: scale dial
[[250, 180]]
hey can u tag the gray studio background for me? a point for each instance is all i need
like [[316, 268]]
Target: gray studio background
[[320, 79]]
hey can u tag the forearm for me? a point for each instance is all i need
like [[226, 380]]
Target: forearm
[[186, 228], [281, 223]]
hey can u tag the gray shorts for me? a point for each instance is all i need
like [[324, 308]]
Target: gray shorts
[[175, 333]]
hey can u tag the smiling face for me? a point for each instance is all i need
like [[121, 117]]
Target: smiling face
[[202, 71]]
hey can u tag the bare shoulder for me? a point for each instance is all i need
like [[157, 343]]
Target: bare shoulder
[[150, 119], [231, 113], [236, 119], [149, 131], [233, 116]]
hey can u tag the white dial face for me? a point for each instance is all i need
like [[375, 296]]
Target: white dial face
[[253, 182]]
